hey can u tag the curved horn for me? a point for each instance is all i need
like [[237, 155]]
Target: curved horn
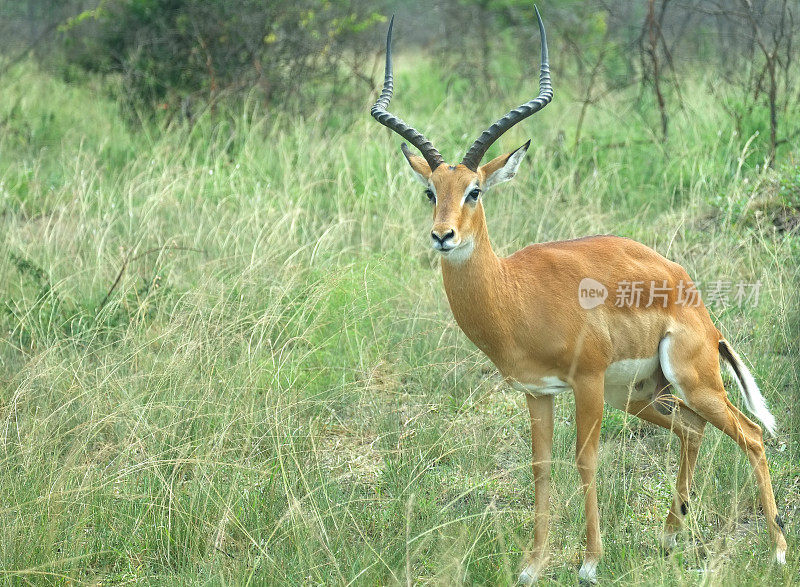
[[391, 121], [478, 149]]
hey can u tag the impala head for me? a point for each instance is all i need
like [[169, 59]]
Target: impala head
[[455, 190]]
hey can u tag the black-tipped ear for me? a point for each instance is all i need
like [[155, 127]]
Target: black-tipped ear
[[406, 151], [422, 171], [504, 167]]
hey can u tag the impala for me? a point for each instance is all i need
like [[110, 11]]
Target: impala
[[658, 360]]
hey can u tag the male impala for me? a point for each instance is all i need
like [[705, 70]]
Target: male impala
[[525, 313]]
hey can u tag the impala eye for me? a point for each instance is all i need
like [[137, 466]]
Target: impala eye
[[473, 195], [431, 195]]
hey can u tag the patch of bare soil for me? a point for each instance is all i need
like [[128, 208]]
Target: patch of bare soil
[[349, 455]]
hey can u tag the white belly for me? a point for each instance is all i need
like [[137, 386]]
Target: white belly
[[545, 386], [623, 376], [620, 382]]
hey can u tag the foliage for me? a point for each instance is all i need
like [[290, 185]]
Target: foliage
[[169, 51]]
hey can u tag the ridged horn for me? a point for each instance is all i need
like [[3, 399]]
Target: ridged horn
[[391, 121], [478, 149]]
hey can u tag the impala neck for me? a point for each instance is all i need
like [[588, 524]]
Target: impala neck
[[475, 291], [476, 271]]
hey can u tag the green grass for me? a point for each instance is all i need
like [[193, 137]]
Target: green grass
[[275, 390]]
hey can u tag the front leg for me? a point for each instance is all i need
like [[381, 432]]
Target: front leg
[[541, 412], [588, 417]]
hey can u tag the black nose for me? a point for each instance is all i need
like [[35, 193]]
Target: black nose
[[450, 233]]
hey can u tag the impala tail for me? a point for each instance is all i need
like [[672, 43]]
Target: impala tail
[[747, 385]]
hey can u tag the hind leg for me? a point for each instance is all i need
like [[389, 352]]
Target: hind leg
[[748, 435], [688, 427], [693, 369]]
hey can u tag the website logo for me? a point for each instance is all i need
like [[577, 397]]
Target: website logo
[[591, 293]]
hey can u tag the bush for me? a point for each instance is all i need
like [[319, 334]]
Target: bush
[[173, 52]]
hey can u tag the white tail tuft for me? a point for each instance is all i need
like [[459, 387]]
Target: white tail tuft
[[751, 395]]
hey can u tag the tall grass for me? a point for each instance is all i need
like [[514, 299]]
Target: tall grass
[[226, 355]]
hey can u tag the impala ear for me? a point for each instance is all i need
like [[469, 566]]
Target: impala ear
[[504, 167], [422, 171]]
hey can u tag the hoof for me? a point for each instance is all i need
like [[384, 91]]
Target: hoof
[[528, 577], [588, 573], [668, 543], [780, 557]]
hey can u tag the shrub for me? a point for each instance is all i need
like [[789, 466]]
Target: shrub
[[173, 52]]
